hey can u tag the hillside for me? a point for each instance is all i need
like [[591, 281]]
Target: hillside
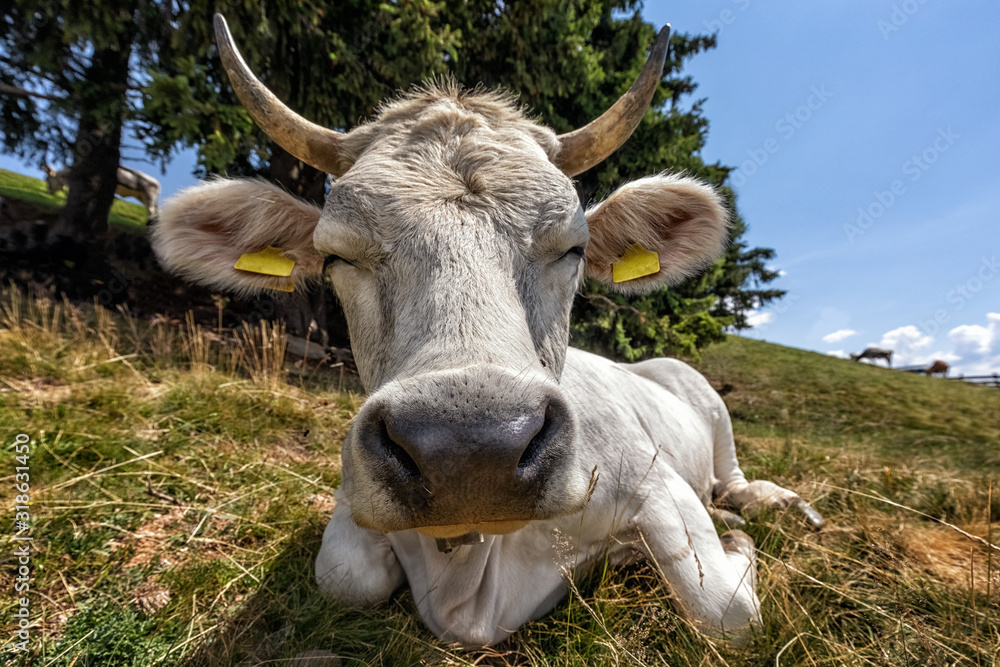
[[124, 214], [182, 478], [790, 393]]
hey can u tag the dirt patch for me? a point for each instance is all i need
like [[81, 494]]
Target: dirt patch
[[293, 451], [151, 538], [951, 557]]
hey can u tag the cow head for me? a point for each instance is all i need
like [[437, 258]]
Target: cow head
[[455, 241]]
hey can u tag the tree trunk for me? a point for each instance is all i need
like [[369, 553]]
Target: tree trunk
[[314, 313], [297, 177], [93, 176]]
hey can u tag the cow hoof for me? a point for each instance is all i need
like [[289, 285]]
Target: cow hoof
[[812, 517]]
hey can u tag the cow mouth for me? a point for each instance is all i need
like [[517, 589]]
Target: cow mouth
[[457, 532]]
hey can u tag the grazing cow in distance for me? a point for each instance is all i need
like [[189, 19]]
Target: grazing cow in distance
[[490, 460], [937, 368], [874, 353], [131, 183]]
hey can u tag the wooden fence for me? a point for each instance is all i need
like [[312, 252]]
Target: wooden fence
[[985, 380]]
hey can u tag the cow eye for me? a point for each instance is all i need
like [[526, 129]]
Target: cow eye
[[330, 259], [576, 251]]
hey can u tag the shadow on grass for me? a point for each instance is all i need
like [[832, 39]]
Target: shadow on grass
[[286, 614]]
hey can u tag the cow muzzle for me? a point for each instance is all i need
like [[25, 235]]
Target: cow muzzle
[[457, 452]]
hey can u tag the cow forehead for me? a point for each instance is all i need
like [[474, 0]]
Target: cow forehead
[[371, 219], [448, 165]]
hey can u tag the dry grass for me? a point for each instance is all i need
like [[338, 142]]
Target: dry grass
[[182, 482]]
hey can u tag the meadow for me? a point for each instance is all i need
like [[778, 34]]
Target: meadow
[[125, 215], [181, 477]]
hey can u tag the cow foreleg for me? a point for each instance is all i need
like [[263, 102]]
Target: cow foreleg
[[759, 496], [356, 566], [732, 490], [714, 579]]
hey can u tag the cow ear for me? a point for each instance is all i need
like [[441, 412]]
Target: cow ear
[[681, 220], [203, 232]]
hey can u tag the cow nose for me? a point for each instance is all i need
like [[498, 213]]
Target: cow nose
[[436, 451], [485, 468]]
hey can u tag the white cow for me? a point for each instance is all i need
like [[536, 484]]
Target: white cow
[[131, 183], [490, 461]]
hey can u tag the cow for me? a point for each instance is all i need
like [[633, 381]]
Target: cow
[[131, 183], [490, 461], [874, 353], [937, 368]]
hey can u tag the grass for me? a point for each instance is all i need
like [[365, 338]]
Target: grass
[[181, 482], [124, 214]]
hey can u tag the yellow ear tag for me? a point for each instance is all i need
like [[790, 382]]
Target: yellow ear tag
[[270, 261], [635, 263]]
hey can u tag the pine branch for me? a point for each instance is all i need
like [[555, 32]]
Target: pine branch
[[14, 90]]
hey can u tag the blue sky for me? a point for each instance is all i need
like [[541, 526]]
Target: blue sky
[[867, 136], [889, 107]]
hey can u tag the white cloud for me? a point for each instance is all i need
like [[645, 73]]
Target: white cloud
[[840, 354], [839, 335], [971, 349], [908, 338], [971, 339], [977, 347], [758, 318], [909, 346]]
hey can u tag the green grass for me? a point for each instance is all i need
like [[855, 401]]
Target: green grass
[[908, 416], [124, 214], [182, 484]]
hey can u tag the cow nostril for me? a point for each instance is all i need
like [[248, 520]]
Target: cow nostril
[[399, 454], [541, 438]]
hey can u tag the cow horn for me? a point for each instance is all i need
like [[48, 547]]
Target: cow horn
[[583, 148], [315, 145]]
